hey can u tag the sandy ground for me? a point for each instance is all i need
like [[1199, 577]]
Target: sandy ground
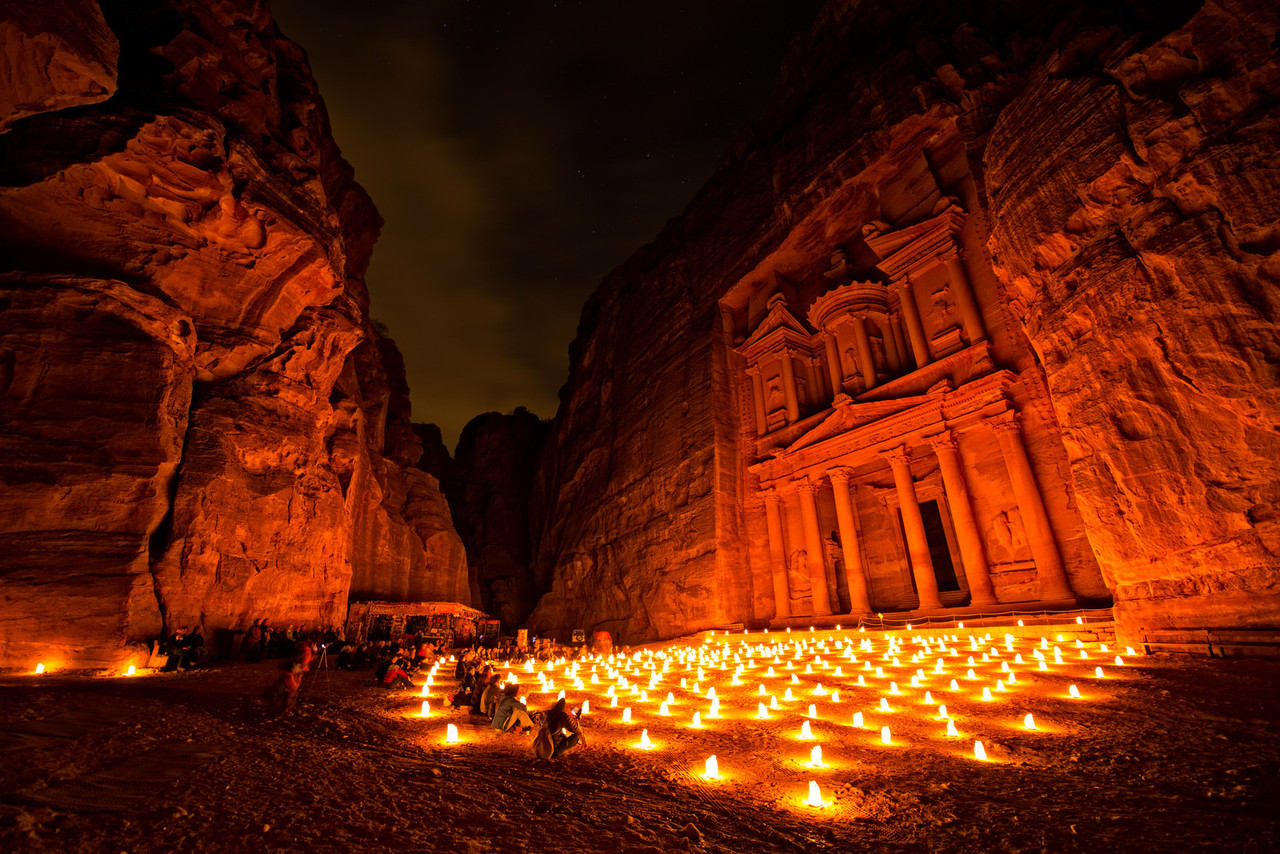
[[1164, 754]]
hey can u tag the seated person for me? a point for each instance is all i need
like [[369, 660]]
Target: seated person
[[397, 676], [489, 696], [565, 732], [193, 650], [509, 713]]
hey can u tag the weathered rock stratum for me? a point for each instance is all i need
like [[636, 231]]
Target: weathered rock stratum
[[199, 423], [1115, 168]]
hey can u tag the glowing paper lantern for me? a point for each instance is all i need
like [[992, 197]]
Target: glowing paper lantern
[[762, 712], [955, 686], [951, 729], [1097, 671], [1073, 691], [835, 696], [613, 702], [893, 688], [805, 733], [788, 696], [133, 670], [714, 712], [857, 720], [697, 721], [662, 710], [39, 668], [928, 698], [626, 715], [885, 737], [713, 769], [560, 696], [451, 735], [986, 694], [644, 740], [884, 705], [979, 752], [815, 756], [425, 691], [773, 703], [813, 711], [942, 712], [1028, 722], [586, 707], [815, 795]]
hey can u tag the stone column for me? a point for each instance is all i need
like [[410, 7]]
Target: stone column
[[896, 362], [1044, 549], [915, 329], [855, 578], [913, 523], [757, 388], [817, 390], [972, 554], [900, 342], [863, 344], [777, 554], [833, 363], [789, 386], [813, 543], [970, 314]]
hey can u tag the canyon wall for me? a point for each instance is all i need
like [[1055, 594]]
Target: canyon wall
[[1117, 167], [199, 422]]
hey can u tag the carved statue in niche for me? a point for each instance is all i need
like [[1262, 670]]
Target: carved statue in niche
[[878, 357], [850, 361], [1007, 540], [774, 396], [942, 308], [802, 386], [798, 575]]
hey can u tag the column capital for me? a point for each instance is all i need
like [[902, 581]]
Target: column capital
[[753, 370], [788, 351], [943, 441], [897, 456], [1006, 422], [841, 475], [804, 484], [770, 494], [903, 284]]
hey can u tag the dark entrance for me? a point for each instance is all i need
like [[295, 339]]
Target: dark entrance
[[944, 571]]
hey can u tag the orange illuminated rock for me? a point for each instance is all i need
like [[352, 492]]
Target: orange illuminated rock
[[200, 422]]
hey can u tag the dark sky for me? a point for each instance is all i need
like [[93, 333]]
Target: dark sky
[[520, 150]]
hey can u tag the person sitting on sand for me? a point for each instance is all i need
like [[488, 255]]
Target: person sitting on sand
[[509, 713], [565, 732], [397, 676], [489, 697]]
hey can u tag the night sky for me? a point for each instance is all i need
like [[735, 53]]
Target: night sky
[[520, 150]]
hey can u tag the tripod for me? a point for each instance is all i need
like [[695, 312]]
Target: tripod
[[321, 662]]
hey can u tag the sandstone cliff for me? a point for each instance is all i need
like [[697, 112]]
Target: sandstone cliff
[[199, 422], [1118, 161]]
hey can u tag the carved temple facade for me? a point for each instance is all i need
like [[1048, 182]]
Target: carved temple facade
[[897, 447]]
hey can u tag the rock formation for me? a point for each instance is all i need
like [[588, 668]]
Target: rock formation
[[198, 421], [1112, 172]]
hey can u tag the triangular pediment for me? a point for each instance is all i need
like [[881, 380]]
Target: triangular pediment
[[778, 326], [908, 250], [851, 416]]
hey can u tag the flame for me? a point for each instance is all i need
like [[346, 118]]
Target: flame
[[451, 735]]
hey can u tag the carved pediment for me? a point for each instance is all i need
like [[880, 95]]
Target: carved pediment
[[779, 328], [912, 250], [850, 416]]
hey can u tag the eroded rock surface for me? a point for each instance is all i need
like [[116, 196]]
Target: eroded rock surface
[[1117, 166], [199, 422]]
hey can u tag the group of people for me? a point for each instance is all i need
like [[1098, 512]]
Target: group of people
[[265, 641], [184, 649], [485, 694]]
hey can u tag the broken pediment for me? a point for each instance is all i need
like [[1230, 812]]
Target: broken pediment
[[912, 250]]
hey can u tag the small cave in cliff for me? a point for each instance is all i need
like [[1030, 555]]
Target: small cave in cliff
[[917, 487]]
